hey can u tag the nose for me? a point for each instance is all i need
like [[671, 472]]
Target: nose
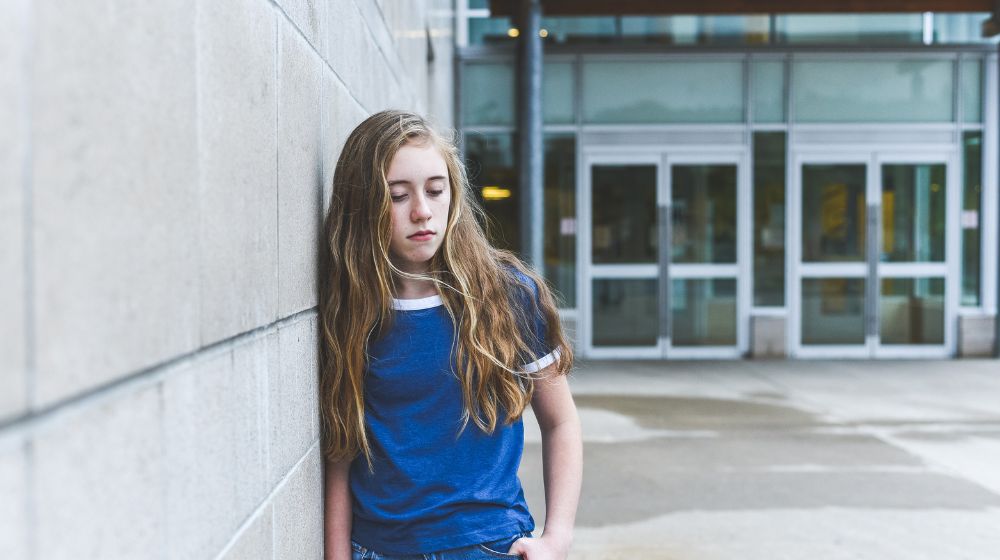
[[421, 211]]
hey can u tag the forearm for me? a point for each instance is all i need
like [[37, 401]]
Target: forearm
[[562, 458], [337, 502]]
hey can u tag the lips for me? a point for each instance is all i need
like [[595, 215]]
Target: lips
[[422, 235]]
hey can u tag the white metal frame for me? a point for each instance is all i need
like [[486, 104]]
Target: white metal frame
[[664, 158], [873, 158]]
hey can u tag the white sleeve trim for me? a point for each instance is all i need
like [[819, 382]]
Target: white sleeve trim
[[541, 363]]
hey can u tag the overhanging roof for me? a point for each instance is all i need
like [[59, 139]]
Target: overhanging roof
[[676, 7]]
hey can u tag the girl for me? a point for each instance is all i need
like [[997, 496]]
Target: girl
[[433, 344]]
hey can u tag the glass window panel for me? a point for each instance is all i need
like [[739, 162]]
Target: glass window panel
[[833, 311], [769, 218], [850, 28], [703, 312], [873, 90], [972, 91], [647, 92], [972, 196], [703, 201], [490, 30], [768, 83], [560, 216], [833, 213], [479, 4], [488, 93], [958, 28], [626, 312], [557, 92], [490, 162], [591, 29], [913, 221], [697, 30], [911, 311], [623, 205]]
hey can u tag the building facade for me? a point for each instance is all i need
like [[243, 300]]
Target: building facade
[[727, 186]]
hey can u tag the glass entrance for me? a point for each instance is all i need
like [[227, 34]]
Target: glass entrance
[[871, 256], [662, 252]]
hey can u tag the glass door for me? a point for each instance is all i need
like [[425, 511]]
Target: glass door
[[869, 237], [620, 238], [661, 254], [702, 270], [913, 288]]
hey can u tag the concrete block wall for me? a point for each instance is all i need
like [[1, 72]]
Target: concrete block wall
[[164, 168]]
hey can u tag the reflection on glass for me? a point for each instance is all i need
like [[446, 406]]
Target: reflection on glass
[[662, 92], [913, 201], [703, 312], [960, 28], [972, 154], [972, 91], [560, 216], [833, 311], [768, 85], [557, 92], [626, 312], [769, 219], [833, 213], [911, 311], [490, 162], [623, 203], [850, 28], [908, 90], [488, 93], [703, 198]]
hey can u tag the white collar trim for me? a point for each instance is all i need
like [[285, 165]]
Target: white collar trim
[[419, 303]]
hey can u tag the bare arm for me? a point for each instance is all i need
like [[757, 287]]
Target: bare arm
[[562, 458], [337, 501]]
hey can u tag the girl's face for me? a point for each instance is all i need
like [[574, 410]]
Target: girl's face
[[421, 195]]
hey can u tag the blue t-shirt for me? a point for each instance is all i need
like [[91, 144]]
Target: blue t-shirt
[[431, 491]]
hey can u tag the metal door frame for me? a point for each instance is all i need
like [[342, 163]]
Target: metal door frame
[[663, 158], [871, 269]]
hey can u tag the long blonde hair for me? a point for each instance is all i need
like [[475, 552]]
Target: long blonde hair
[[477, 283]]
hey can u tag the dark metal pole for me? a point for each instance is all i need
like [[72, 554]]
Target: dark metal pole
[[529, 121]]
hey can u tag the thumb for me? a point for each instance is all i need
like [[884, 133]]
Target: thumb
[[518, 547]]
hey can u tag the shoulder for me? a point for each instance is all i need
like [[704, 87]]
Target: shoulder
[[522, 284]]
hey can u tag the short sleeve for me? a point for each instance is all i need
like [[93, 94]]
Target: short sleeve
[[532, 325]]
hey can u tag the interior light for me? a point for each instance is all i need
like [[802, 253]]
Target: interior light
[[495, 193], [543, 33], [513, 32]]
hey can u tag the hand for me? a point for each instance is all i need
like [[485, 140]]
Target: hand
[[542, 548]]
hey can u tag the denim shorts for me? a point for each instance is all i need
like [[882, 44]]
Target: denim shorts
[[482, 551]]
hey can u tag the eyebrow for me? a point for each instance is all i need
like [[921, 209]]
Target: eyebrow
[[405, 182]]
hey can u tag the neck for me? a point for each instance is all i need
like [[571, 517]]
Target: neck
[[408, 288]]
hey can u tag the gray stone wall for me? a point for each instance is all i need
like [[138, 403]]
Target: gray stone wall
[[164, 167]]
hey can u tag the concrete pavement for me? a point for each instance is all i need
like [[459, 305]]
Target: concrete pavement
[[784, 459]]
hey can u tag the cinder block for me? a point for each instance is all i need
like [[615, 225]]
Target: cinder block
[[114, 187], [767, 334], [255, 541], [14, 505], [976, 334], [298, 512], [237, 147], [294, 388], [215, 448], [13, 143], [99, 481], [299, 172], [309, 19], [339, 115], [346, 37]]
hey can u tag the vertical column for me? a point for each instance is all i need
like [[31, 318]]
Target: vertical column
[[529, 120]]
